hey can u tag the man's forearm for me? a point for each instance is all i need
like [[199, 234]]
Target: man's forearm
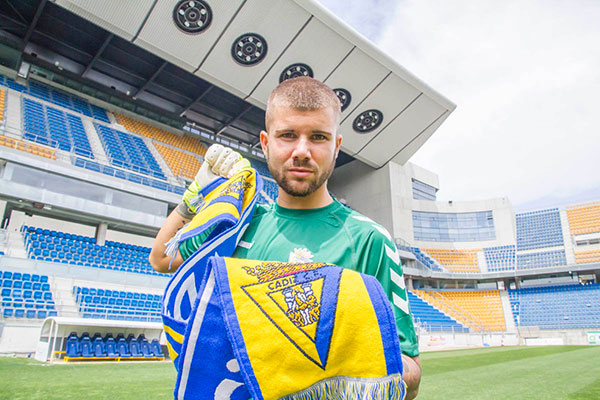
[[159, 261], [411, 375]]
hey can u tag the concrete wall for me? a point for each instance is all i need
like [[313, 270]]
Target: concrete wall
[[449, 341], [403, 204], [538, 337], [19, 339], [365, 189]]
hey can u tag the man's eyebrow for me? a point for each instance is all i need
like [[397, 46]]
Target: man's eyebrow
[[322, 132]]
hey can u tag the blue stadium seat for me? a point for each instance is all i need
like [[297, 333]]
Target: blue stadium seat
[[98, 346], [72, 349], [122, 346], [111, 346], [134, 346], [85, 345], [156, 349], [145, 347]]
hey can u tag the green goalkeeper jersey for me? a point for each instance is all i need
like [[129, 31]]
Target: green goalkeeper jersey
[[337, 235]]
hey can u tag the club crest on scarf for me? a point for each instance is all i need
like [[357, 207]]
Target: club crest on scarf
[[236, 188], [290, 297]]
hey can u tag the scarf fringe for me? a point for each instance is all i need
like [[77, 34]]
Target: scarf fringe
[[348, 388], [196, 202], [173, 243]]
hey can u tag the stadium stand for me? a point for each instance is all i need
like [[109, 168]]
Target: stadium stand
[[424, 258], [584, 218], [261, 168], [587, 256], [2, 103], [26, 295], [188, 143], [126, 175], [52, 127], [271, 189], [67, 248], [109, 349], [27, 147], [500, 258], [181, 163], [117, 304], [557, 307], [473, 308], [430, 318], [456, 260], [58, 97], [128, 151], [541, 259], [539, 229]]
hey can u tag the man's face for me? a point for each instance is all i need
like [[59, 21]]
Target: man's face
[[301, 148]]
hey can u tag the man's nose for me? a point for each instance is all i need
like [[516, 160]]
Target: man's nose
[[302, 149]]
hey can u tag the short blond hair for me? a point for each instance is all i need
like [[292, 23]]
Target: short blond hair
[[305, 94]]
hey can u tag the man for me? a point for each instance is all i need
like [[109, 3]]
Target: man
[[301, 144]]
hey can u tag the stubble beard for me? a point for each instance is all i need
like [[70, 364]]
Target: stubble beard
[[287, 185]]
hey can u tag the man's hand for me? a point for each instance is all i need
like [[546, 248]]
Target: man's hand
[[219, 161], [411, 375]]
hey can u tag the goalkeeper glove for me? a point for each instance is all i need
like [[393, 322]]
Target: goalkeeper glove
[[219, 161]]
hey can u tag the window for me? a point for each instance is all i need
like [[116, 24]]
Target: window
[[453, 227], [422, 191]]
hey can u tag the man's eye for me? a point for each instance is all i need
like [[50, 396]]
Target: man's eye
[[288, 135], [319, 137]]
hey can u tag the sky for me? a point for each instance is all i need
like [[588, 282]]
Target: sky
[[525, 76]]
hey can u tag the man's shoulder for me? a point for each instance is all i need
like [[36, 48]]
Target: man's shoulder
[[364, 228], [262, 209]]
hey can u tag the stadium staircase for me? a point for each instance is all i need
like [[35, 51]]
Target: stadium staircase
[[63, 296], [509, 320], [161, 162], [566, 232], [94, 140], [13, 115], [15, 247]]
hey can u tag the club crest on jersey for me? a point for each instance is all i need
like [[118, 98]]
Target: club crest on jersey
[[302, 255], [300, 300]]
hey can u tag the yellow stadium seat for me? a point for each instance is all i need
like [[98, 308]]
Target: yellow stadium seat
[[456, 260], [584, 218], [188, 143], [181, 163], [480, 308]]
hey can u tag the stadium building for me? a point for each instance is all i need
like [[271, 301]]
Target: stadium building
[[107, 108]]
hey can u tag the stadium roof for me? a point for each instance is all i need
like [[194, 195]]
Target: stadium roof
[[214, 63]]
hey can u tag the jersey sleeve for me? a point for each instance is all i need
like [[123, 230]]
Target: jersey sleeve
[[380, 259]]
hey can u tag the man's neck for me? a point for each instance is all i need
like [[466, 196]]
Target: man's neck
[[320, 198]]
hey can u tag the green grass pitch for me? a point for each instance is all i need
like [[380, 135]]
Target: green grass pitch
[[565, 372]]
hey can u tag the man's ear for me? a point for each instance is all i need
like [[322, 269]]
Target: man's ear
[[264, 140], [338, 143]]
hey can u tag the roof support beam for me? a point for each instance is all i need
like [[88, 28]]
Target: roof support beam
[[227, 124], [152, 78], [196, 100], [36, 17], [98, 54], [16, 12]]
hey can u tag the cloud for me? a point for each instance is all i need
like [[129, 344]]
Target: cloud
[[369, 17], [525, 78]]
